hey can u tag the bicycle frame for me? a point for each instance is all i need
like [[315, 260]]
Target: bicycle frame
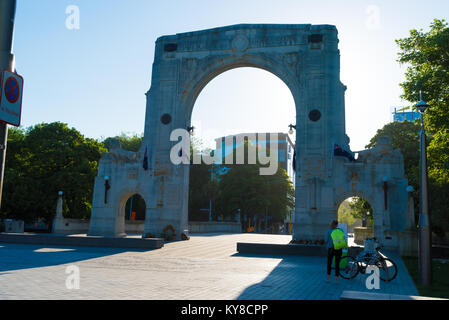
[[365, 259]]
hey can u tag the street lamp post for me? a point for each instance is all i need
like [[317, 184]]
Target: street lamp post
[[425, 247], [291, 129]]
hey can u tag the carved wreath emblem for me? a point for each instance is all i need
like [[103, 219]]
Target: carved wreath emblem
[[291, 58], [240, 42]]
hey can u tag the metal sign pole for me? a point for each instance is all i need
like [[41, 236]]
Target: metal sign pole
[[7, 14]]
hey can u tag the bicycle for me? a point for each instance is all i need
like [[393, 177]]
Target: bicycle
[[350, 267]]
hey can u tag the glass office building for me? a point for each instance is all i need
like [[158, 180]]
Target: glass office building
[[226, 146], [411, 116]]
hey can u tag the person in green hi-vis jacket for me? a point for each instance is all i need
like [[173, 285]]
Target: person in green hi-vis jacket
[[335, 243]]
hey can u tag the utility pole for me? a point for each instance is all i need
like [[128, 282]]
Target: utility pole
[[425, 233], [7, 15]]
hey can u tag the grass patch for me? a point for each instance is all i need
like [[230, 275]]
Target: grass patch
[[440, 275]]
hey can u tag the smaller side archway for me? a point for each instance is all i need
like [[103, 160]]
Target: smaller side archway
[[358, 215], [130, 214], [135, 208], [134, 214]]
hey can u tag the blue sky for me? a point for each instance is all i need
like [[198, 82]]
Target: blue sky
[[95, 78]]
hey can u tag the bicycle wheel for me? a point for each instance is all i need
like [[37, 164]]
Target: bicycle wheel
[[349, 268], [387, 269]]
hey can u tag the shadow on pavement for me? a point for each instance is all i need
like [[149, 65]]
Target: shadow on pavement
[[17, 256], [304, 278], [291, 279]]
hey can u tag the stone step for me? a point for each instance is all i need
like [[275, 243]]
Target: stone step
[[82, 241], [289, 249], [357, 295]]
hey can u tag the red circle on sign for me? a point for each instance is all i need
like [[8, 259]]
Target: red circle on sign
[[12, 90]]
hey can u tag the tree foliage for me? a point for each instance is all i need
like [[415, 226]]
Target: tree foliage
[[256, 195], [200, 176], [427, 57], [128, 142], [241, 188], [361, 209], [345, 215], [204, 183], [43, 160]]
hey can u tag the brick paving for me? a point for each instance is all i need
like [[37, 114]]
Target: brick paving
[[205, 268]]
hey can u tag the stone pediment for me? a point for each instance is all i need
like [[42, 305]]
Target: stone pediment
[[382, 152], [242, 37], [122, 156]]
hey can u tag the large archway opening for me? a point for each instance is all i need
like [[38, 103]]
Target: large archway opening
[[356, 216], [241, 102]]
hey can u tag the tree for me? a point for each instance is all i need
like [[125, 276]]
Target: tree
[[427, 54], [200, 177], [439, 156], [255, 195], [43, 160], [345, 214], [281, 195], [128, 142], [212, 190], [241, 188], [361, 209], [427, 57]]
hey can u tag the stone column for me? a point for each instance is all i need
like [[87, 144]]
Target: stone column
[[408, 238], [58, 222]]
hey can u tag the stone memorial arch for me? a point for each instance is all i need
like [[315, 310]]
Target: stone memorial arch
[[307, 59]]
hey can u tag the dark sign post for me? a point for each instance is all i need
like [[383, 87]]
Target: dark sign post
[[7, 14]]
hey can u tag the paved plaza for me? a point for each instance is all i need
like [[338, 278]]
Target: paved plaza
[[205, 268]]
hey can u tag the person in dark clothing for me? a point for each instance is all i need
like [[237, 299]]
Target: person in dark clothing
[[331, 252]]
